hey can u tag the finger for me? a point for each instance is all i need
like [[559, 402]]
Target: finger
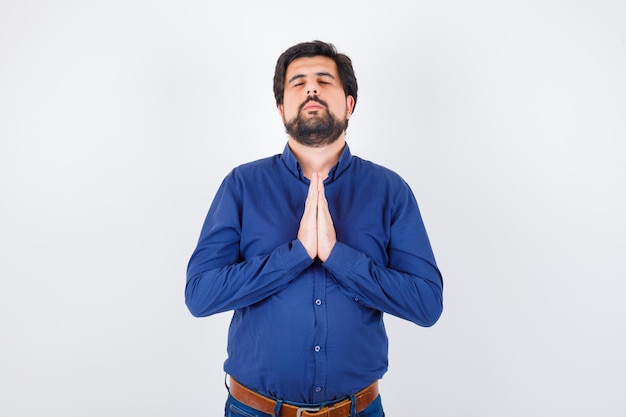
[[321, 191], [312, 193], [326, 235], [310, 204], [323, 212], [307, 234]]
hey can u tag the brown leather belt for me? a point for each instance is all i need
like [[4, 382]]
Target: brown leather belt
[[267, 405]]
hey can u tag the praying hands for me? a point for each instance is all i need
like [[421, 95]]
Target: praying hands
[[317, 232]]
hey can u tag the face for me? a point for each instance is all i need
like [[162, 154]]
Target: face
[[315, 109]]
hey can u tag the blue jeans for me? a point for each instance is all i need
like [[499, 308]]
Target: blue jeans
[[236, 409]]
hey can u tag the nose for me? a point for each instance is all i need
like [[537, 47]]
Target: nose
[[311, 87]]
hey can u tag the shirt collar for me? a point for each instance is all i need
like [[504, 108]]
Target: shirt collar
[[294, 167]]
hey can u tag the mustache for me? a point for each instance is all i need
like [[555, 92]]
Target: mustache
[[315, 99]]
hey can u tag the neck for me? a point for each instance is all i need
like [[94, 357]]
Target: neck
[[320, 160]]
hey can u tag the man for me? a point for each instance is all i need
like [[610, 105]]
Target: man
[[309, 248]]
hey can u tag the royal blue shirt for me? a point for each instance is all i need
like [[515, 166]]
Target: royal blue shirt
[[303, 330]]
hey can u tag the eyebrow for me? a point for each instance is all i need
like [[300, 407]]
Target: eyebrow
[[319, 74]]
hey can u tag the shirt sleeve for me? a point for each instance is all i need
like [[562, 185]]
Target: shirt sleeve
[[410, 286], [218, 279]]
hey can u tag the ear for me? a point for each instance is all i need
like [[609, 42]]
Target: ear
[[281, 110], [349, 106]]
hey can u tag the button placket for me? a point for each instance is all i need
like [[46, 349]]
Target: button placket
[[319, 338]]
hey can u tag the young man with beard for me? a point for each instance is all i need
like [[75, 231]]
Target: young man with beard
[[309, 248]]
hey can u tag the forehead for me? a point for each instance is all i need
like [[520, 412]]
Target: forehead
[[311, 65]]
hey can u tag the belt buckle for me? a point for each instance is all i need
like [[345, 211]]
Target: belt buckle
[[302, 409]]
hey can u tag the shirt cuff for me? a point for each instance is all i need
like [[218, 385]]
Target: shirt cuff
[[294, 256], [342, 259]]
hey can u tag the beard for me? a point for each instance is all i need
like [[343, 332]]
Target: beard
[[316, 130]]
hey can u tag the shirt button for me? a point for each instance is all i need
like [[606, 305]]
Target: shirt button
[[318, 302], [317, 348], [318, 389]]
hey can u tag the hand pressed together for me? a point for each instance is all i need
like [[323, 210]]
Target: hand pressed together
[[317, 231]]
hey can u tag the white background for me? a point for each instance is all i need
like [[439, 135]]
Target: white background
[[119, 119]]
